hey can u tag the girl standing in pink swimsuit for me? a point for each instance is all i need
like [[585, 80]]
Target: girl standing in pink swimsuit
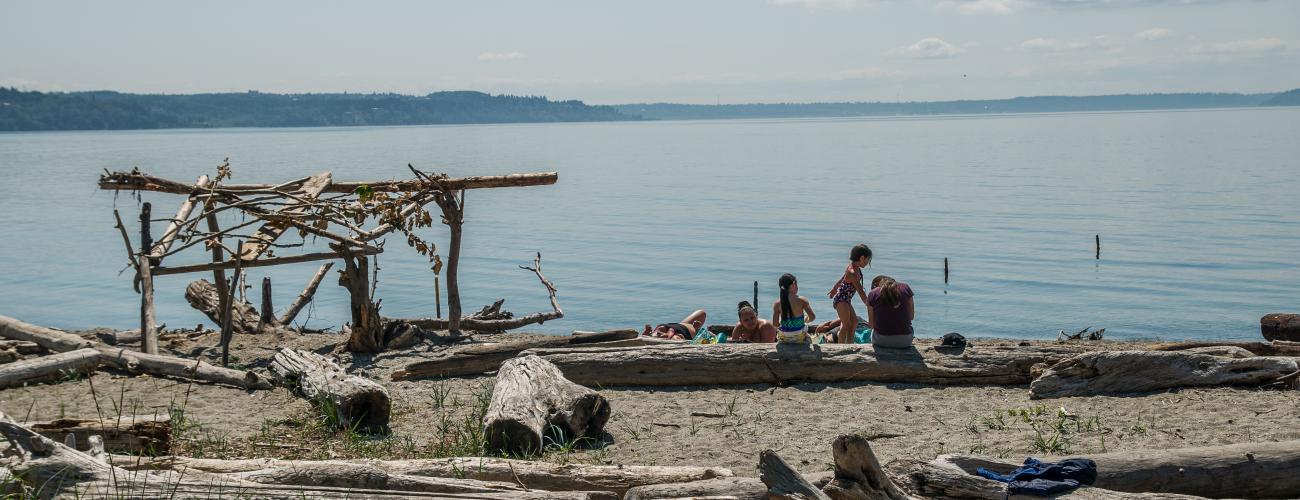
[[841, 294]]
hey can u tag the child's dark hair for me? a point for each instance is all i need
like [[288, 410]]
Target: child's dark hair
[[859, 251], [786, 280], [889, 293], [744, 304]]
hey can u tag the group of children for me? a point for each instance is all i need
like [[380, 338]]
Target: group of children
[[889, 304]]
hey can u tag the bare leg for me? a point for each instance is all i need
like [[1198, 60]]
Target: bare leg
[[848, 319], [695, 320]]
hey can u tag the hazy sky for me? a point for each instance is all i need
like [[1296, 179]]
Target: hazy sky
[[697, 51]]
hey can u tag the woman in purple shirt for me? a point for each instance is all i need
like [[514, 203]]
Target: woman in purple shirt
[[890, 312]]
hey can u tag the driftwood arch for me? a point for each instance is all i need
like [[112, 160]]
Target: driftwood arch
[[315, 206]]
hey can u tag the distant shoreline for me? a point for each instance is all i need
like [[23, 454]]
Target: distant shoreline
[[22, 111]]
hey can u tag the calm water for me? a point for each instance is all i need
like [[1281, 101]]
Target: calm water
[[1198, 214]]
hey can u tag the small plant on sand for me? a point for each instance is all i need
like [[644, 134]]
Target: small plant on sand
[[441, 389]]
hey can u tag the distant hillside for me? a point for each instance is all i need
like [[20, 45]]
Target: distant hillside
[[116, 111], [1044, 104], [1288, 98]]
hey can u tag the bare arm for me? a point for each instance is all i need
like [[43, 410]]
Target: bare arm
[[776, 313], [807, 310], [871, 319], [911, 309], [735, 332]]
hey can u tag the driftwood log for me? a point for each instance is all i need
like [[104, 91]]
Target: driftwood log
[[680, 365], [46, 469], [1280, 326], [356, 401], [490, 318], [307, 293], [1247, 470], [783, 482], [476, 360], [740, 488], [1118, 372], [1273, 348], [858, 474], [54, 340], [138, 181], [546, 476], [532, 402], [204, 296], [47, 368], [187, 369], [130, 434]]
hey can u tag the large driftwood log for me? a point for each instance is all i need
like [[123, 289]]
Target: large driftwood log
[[476, 360], [138, 181], [205, 297], [739, 488], [1280, 326], [1118, 372], [356, 401], [22, 347], [783, 482], [532, 475], [47, 368], [1246, 470], [533, 402], [355, 475], [53, 340], [186, 369], [131, 434], [677, 365]]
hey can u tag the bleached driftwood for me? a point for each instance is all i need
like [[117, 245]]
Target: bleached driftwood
[[47, 368], [305, 297], [532, 402], [357, 401], [22, 347], [680, 365], [475, 360], [271, 230], [783, 482], [131, 434], [139, 181], [486, 323], [1118, 372], [188, 369], [533, 475], [205, 297], [739, 488], [1273, 348], [858, 473], [54, 340], [1246, 470]]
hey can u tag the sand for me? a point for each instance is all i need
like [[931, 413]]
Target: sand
[[715, 426]]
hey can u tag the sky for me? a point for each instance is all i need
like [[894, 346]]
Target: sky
[[701, 51]]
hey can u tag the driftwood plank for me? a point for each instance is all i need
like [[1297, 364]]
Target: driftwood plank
[[271, 231], [476, 360], [136, 181], [47, 368]]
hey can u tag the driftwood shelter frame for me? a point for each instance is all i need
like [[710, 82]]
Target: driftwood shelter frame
[[317, 206]]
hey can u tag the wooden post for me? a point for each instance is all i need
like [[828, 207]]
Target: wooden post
[[268, 311], [227, 330], [453, 214], [218, 256], [149, 336], [1099, 247], [437, 298], [755, 295], [945, 270]]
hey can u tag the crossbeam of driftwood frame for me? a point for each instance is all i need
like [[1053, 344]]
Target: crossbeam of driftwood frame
[[314, 205]]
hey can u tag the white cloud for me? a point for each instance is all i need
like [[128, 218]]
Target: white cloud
[[1153, 34], [1051, 45], [825, 4], [1011, 6], [927, 48], [1255, 46], [980, 6], [500, 56]]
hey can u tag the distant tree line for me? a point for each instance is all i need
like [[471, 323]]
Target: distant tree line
[[1044, 104], [104, 110]]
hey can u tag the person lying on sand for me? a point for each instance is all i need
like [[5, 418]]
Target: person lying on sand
[[751, 328], [683, 330]]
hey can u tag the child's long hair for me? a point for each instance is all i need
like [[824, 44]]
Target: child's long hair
[[889, 293], [859, 251], [786, 280]]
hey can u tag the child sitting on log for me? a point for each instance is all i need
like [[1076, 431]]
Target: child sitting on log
[[792, 312]]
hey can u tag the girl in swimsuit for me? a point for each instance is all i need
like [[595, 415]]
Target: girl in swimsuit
[[751, 328], [684, 330], [851, 282], [791, 313]]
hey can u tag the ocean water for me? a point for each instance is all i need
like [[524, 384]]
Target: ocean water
[[1198, 214]]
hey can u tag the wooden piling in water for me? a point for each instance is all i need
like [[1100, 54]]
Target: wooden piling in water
[[756, 295], [945, 270], [1098, 247]]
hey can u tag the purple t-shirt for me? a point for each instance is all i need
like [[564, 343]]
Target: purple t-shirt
[[891, 320]]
